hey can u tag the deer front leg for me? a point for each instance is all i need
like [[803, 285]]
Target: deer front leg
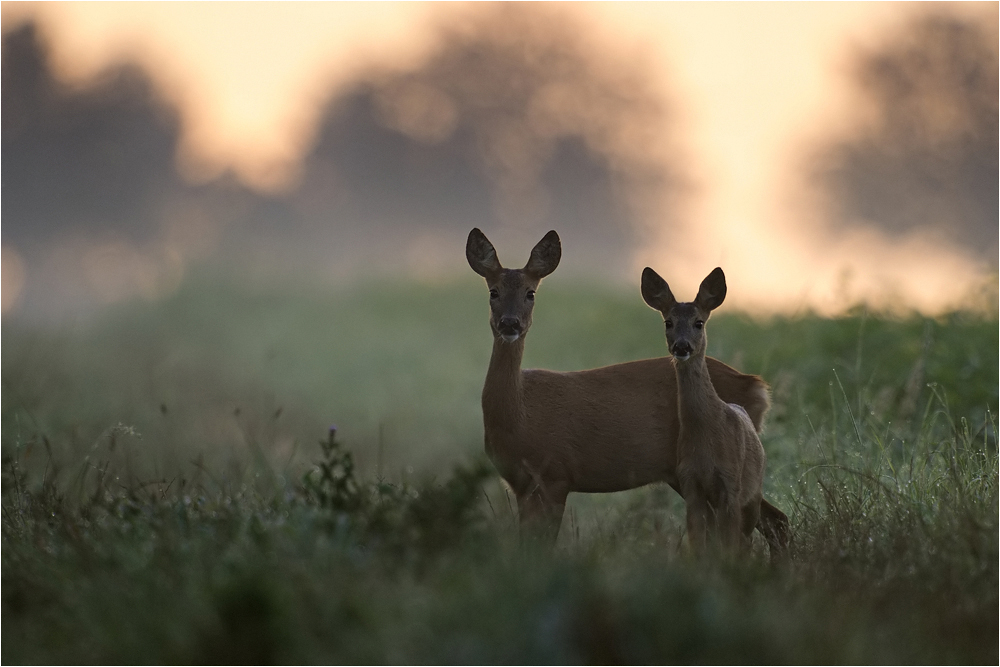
[[729, 526], [698, 519], [721, 527], [540, 511]]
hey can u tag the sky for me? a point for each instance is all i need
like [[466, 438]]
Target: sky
[[751, 83]]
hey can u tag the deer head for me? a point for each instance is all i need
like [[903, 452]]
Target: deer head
[[512, 291], [684, 322]]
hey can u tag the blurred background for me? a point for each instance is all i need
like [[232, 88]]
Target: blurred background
[[227, 226], [824, 154]]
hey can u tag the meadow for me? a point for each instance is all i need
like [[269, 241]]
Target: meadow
[[173, 491]]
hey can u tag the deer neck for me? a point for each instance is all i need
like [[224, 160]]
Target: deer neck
[[696, 396], [503, 393]]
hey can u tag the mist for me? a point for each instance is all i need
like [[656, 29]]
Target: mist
[[925, 157], [516, 120], [511, 124]]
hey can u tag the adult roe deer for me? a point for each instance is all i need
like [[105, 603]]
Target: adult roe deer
[[606, 429], [720, 461]]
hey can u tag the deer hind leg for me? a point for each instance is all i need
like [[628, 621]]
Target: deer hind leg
[[773, 525], [750, 515]]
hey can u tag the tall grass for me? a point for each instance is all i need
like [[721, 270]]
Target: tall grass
[[168, 497]]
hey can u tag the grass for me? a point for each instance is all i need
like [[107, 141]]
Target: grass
[[169, 494]]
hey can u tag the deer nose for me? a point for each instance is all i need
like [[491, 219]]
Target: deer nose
[[681, 349], [511, 324]]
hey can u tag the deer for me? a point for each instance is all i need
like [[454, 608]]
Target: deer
[[549, 433], [720, 459]]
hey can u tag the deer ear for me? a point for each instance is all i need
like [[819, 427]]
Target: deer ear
[[545, 256], [481, 254], [712, 292], [655, 291]]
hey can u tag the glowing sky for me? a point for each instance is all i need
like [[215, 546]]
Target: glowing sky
[[751, 83], [246, 75]]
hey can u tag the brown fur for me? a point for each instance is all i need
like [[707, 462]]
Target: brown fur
[[607, 429], [720, 459]]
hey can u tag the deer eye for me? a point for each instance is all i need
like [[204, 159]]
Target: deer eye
[[669, 324], [530, 296], [699, 324], [494, 294]]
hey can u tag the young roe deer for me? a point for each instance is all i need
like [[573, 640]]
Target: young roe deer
[[606, 429], [720, 461]]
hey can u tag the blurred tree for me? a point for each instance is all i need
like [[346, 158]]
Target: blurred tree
[[93, 162], [92, 200], [928, 157], [514, 122]]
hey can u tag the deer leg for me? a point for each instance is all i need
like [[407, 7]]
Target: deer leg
[[724, 515], [773, 526], [698, 519], [750, 518], [728, 524], [540, 512]]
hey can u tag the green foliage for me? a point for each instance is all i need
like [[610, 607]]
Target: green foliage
[[195, 529], [399, 518], [331, 483]]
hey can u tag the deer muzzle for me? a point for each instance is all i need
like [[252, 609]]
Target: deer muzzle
[[509, 329], [681, 350]]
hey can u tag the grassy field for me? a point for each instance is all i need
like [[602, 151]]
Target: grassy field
[[170, 493]]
